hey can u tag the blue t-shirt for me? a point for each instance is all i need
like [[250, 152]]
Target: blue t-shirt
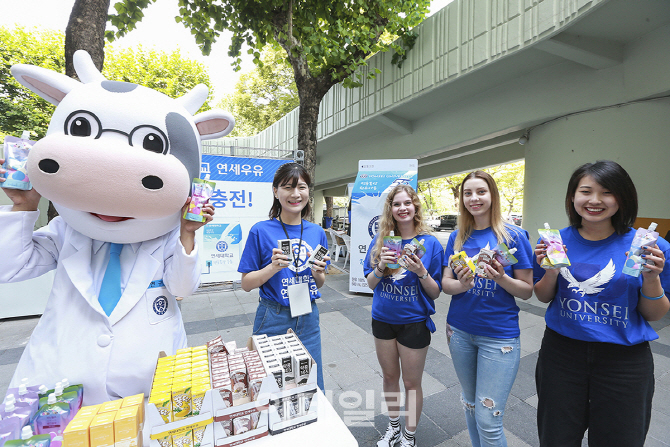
[[594, 301], [487, 309], [257, 254], [400, 299]]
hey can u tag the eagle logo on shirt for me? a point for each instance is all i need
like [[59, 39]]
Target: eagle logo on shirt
[[400, 275], [592, 284]]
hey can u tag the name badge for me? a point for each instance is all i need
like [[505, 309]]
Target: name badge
[[299, 299], [156, 283]]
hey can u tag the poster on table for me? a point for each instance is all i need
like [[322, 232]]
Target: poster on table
[[242, 197], [374, 181]]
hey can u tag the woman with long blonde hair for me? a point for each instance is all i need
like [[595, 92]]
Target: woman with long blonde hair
[[402, 304], [483, 319]]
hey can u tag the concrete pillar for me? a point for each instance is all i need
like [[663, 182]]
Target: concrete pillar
[[319, 202], [635, 136]]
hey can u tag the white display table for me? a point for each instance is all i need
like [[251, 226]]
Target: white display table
[[328, 430]]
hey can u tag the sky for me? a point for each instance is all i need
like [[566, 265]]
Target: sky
[[157, 30]]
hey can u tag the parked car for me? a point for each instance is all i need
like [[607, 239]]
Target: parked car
[[516, 219], [446, 222]]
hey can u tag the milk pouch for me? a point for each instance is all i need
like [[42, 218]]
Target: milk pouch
[[393, 243], [556, 256], [201, 192], [635, 262], [16, 156]]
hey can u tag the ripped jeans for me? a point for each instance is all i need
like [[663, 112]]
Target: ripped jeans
[[486, 368]]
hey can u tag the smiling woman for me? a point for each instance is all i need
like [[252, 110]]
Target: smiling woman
[[595, 352], [288, 286]]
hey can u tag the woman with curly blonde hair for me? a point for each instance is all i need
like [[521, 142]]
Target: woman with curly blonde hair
[[402, 304]]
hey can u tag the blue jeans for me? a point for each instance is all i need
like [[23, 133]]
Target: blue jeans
[[274, 319], [486, 368]]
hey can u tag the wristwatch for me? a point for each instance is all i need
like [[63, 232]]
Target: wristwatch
[[424, 276]]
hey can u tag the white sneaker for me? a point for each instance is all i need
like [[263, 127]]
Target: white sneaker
[[390, 438], [404, 442]]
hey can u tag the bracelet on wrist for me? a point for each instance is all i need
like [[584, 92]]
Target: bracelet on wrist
[[651, 297], [375, 273], [380, 270]]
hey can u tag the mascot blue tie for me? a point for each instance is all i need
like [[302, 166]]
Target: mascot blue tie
[[110, 290]]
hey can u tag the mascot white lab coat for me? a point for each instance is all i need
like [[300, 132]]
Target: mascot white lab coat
[[117, 163]]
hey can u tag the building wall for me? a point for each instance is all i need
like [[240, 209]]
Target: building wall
[[636, 136]]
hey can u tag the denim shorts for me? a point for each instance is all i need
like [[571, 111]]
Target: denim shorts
[[410, 335]]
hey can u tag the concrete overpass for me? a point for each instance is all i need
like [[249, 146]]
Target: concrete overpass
[[581, 79]]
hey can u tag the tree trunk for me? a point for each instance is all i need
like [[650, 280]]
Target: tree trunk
[[329, 207], [86, 31], [311, 92]]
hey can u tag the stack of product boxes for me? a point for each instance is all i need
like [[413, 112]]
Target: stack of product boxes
[[287, 360], [180, 384], [117, 423], [237, 378]]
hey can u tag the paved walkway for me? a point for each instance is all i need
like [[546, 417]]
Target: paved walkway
[[352, 375]]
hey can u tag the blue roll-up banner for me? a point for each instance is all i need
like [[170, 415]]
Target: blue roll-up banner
[[242, 197], [374, 181]]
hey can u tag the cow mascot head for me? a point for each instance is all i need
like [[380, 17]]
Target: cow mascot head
[[118, 158]]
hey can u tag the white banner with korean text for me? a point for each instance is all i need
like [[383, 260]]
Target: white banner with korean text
[[242, 197], [374, 181]]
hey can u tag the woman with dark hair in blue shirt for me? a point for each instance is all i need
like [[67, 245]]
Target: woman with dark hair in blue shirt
[[595, 369], [280, 281]]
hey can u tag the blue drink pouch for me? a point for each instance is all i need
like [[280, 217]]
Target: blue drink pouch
[[16, 156]]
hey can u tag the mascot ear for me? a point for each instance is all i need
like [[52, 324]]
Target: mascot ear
[[214, 124], [47, 84]]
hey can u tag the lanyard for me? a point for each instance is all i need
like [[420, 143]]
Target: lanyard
[[295, 258]]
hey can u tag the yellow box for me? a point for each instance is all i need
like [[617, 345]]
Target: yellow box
[[165, 442], [163, 402], [162, 382], [112, 405], [76, 433], [166, 360], [199, 375], [199, 357], [183, 351], [182, 361], [164, 369], [138, 400], [89, 410], [101, 430], [181, 401], [198, 363], [179, 369], [127, 426], [202, 368], [198, 434], [197, 398], [183, 439]]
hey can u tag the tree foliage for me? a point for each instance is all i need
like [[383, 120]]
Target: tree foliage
[[263, 95], [441, 194], [326, 41], [168, 73], [21, 110]]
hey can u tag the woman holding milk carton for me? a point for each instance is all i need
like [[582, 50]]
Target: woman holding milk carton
[[288, 284], [405, 281], [595, 369]]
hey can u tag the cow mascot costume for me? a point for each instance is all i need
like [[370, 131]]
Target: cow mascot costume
[[117, 163]]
